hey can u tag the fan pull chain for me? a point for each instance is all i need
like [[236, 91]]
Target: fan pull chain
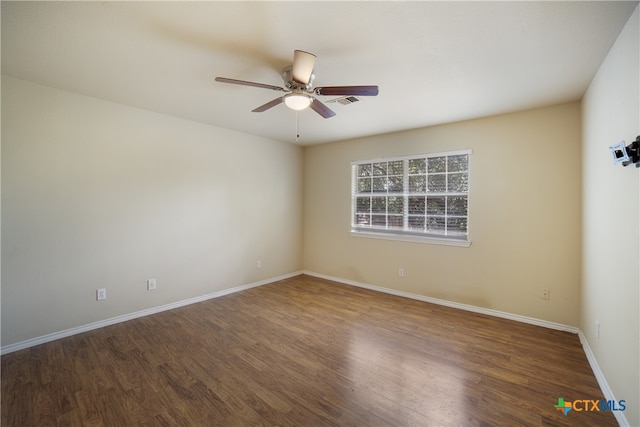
[[297, 127]]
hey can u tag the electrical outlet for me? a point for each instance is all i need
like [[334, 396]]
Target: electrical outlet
[[546, 294], [259, 264], [597, 329], [101, 294], [151, 284], [401, 272]]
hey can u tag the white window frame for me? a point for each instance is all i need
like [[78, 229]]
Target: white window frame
[[371, 231]]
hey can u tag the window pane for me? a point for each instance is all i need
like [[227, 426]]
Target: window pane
[[364, 170], [458, 182], [457, 225], [416, 205], [435, 205], [437, 164], [457, 206], [395, 184], [380, 168], [363, 204], [417, 166], [395, 221], [364, 185], [379, 204], [380, 220], [435, 224], [457, 163], [417, 184], [362, 219], [437, 183], [380, 185], [416, 223], [396, 205], [396, 168]]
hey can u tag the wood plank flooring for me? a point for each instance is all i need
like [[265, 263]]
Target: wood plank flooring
[[303, 352]]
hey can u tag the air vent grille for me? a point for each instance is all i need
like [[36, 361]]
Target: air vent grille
[[348, 100]]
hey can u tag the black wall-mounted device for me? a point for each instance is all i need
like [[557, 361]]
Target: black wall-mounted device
[[627, 155]]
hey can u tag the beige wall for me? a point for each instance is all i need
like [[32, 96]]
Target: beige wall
[[611, 280], [524, 215], [96, 194]]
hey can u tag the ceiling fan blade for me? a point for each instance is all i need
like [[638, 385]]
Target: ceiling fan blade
[[268, 105], [246, 83], [347, 90], [321, 109], [303, 63]]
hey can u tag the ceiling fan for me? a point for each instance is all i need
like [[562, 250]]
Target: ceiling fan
[[298, 81]]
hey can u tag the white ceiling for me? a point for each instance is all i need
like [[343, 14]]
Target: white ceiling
[[435, 62]]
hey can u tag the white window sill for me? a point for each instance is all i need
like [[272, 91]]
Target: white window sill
[[411, 238]]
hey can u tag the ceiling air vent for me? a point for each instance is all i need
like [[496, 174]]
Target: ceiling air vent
[[348, 100], [345, 100]]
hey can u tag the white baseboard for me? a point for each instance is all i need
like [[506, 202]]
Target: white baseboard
[[602, 381], [123, 318], [467, 307]]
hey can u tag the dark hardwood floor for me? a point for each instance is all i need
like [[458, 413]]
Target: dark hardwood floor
[[303, 352]]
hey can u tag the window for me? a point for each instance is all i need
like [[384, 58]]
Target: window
[[423, 197]]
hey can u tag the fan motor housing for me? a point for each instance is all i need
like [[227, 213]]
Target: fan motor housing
[[290, 83]]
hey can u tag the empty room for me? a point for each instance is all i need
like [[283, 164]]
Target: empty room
[[434, 218]]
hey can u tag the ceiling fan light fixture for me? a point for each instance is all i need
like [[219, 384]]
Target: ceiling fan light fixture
[[299, 91], [297, 101]]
